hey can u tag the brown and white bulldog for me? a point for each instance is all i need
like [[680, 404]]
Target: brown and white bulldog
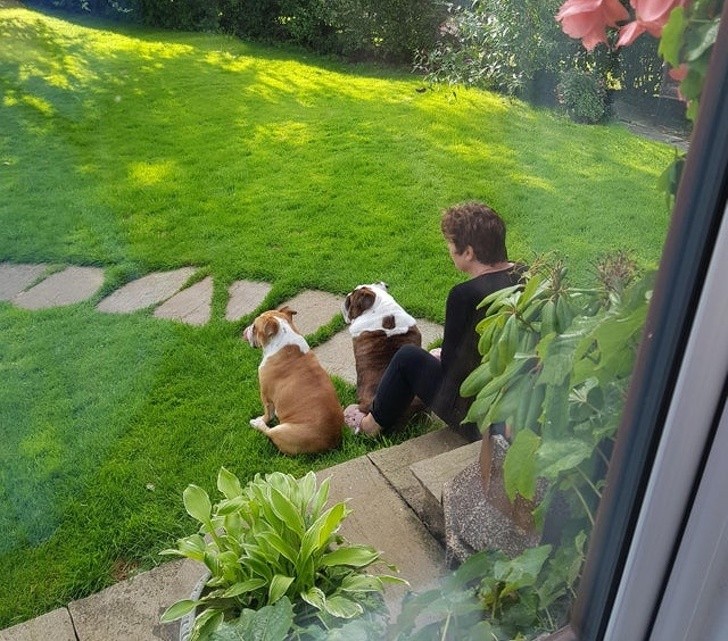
[[293, 387], [379, 326]]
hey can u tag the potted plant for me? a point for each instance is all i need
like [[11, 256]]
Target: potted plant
[[275, 561]]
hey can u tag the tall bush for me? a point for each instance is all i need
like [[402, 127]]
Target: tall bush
[[499, 44]]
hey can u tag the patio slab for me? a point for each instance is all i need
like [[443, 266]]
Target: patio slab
[[314, 309], [245, 297], [130, 610], [430, 331], [191, 305], [337, 357], [55, 625], [382, 519], [72, 285], [16, 278], [146, 291]]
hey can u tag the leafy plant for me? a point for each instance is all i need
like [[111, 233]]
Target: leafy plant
[[556, 363], [495, 598], [275, 539], [582, 96]]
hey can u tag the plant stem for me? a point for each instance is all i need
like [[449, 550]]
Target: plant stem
[[443, 637], [584, 504], [589, 482]]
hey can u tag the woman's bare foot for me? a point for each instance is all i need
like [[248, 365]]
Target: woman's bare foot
[[369, 426]]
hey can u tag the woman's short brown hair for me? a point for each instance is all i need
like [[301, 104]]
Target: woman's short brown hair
[[477, 225]]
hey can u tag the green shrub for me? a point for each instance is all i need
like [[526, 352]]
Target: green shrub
[[498, 44], [272, 539], [582, 96]]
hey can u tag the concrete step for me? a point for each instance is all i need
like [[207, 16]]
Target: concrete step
[[432, 474]]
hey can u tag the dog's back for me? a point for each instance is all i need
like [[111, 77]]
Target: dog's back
[[379, 326]]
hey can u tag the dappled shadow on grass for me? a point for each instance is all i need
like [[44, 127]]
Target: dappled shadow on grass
[[106, 419]]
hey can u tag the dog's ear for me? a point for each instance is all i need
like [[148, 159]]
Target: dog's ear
[[359, 301], [288, 312], [270, 327]]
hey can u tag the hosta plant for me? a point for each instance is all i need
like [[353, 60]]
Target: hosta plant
[[272, 539]]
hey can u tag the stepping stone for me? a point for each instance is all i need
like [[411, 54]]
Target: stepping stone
[[72, 285], [191, 305], [430, 331], [337, 357], [146, 291], [245, 297], [314, 309], [15, 278]]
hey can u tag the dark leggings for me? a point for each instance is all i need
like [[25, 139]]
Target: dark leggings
[[411, 372], [415, 372]]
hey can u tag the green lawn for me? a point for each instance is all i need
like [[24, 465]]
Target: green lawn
[[140, 150]]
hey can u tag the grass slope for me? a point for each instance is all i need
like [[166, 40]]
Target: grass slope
[[139, 150]]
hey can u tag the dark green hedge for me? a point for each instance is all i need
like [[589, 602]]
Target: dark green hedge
[[386, 30]]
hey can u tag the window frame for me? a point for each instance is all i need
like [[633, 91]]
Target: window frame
[[664, 385]]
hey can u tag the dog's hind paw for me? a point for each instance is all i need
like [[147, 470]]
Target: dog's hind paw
[[258, 423]]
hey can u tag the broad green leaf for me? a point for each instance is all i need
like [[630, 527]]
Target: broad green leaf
[[228, 484], [206, 624], [555, 457], [307, 488], [197, 503], [278, 587], [287, 511], [178, 610], [230, 506], [357, 556], [319, 500], [522, 570], [317, 536], [314, 597], [269, 623], [342, 607], [701, 39], [243, 587], [361, 583], [193, 547], [555, 421], [519, 467], [672, 36], [280, 546]]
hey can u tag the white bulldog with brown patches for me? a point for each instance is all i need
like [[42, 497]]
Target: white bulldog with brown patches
[[293, 387], [379, 326]]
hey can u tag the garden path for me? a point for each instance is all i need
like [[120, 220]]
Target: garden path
[[175, 295]]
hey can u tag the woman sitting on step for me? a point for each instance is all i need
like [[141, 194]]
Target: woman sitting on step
[[475, 236]]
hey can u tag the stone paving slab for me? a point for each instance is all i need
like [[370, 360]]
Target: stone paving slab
[[430, 331], [395, 462], [314, 309], [245, 296], [54, 626], [337, 357], [130, 610], [72, 285], [145, 291], [191, 305], [15, 278], [382, 519]]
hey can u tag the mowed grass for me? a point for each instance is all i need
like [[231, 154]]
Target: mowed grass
[[141, 150]]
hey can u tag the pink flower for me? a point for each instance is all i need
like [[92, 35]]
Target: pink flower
[[588, 19], [651, 16]]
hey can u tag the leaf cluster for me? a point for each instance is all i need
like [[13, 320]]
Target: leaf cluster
[[275, 538], [556, 361]]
